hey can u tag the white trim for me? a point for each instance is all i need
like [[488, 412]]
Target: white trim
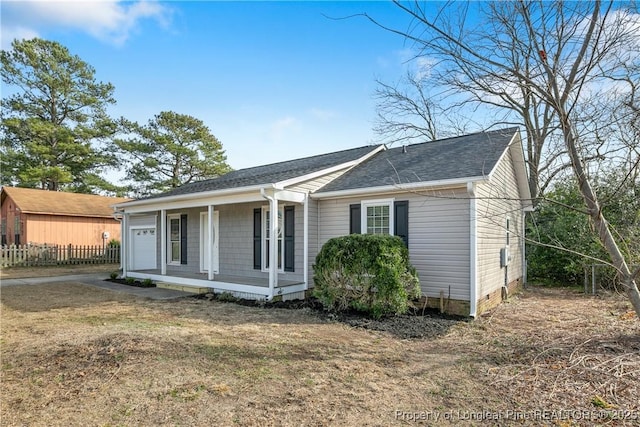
[[264, 238], [219, 285], [163, 241], [313, 175], [289, 196], [305, 256], [473, 251], [214, 249], [212, 237], [198, 202], [167, 200], [414, 186], [273, 250], [124, 252], [364, 204]]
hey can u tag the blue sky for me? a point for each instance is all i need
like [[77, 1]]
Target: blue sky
[[272, 80]]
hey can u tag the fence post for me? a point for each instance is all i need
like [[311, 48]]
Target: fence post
[[593, 279]]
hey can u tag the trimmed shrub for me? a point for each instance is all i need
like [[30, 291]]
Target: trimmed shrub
[[366, 272]]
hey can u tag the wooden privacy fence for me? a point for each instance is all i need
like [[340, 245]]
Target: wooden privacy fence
[[37, 255]]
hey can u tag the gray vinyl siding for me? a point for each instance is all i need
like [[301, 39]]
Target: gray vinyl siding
[[497, 199], [438, 237], [236, 241], [193, 241]]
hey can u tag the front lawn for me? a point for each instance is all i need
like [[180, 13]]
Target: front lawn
[[76, 355]]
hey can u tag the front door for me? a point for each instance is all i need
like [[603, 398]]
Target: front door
[[206, 246]]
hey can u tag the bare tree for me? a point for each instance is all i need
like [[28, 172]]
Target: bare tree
[[548, 66]]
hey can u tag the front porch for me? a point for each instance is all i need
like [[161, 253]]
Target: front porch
[[253, 288]]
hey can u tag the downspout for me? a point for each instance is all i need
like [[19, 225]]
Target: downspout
[[273, 244], [124, 241], [473, 250]]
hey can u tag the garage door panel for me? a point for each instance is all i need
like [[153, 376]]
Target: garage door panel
[[143, 248]]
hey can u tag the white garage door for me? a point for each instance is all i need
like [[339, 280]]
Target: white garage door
[[143, 248]]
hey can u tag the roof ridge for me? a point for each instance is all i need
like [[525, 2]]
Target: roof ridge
[[510, 129]]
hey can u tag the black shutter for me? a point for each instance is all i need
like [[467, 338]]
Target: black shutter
[[354, 219], [401, 220], [289, 246], [183, 239], [257, 238]]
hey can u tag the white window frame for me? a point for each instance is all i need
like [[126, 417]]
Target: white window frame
[[170, 260], [372, 203], [265, 239]]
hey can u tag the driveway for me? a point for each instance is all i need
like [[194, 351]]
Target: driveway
[[97, 280]]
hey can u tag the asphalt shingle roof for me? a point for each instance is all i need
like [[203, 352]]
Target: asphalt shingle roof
[[31, 200], [459, 157], [272, 173]]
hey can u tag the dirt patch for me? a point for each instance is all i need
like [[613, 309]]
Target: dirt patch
[[76, 355]]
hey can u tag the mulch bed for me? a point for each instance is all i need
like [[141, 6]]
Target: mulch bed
[[136, 283], [416, 324]]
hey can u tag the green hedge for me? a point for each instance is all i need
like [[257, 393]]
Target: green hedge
[[366, 272]]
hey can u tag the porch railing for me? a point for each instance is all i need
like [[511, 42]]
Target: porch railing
[[42, 255]]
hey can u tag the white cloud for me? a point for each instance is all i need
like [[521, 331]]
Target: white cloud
[[282, 127], [323, 115], [111, 21]]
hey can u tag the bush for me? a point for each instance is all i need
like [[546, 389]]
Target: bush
[[148, 283], [114, 275], [365, 272], [130, 280]]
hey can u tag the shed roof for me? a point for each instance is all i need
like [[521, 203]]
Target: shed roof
[[36, 201], [468, 156]]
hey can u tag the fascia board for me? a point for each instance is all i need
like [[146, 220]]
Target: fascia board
[[317, 174], [171, 200], [445, 183]]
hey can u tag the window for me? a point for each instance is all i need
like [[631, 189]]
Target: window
[[266, 224], [285, 235], [377, 217], [380, 217], [174, 240]]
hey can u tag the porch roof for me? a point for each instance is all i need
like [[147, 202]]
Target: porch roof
[[255, 178]]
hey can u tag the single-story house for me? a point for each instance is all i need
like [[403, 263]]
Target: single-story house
[[57, 218], [458, 203]]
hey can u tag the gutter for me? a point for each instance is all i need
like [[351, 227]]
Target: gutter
[[193, 196], [445, 183]]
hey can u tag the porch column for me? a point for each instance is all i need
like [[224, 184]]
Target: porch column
[[124, 241], [163, 242], [273, 246], [210, 238], [305, 257]]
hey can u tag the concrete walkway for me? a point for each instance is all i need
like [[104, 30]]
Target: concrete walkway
[[98, 280]]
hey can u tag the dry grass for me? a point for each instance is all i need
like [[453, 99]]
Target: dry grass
[[75, 355]]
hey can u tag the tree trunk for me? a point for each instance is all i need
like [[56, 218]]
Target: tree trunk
[[599, 222]]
